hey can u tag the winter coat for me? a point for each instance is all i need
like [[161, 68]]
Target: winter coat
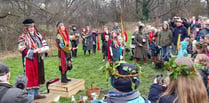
[[89, 41], [13, 95], [154, 49], [177, 31], [154, 93], [168, 99], [140, 51], [84, 41], [105, 48], [115, 46], [164, 38], [94, 37]]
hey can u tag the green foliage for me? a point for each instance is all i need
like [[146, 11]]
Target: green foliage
[[179, 70]]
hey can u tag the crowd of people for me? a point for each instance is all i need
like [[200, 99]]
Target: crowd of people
[[186, 40], [177, 36]]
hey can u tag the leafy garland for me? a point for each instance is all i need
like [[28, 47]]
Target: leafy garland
[[111, 69], [179, 70]]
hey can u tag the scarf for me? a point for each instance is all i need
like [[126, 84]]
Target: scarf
[[31, 42], [66, 40]]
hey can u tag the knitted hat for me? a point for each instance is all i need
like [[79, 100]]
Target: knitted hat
[[3, 68], [127, 79]]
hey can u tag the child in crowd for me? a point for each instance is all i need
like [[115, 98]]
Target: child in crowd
[[114, 47], [89, 39], [154, 50], [183, 50], [94, 33], [189, 48], [105, 48], [84, 42]]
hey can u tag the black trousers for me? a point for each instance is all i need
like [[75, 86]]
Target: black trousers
[[74, 45], [94, 49]]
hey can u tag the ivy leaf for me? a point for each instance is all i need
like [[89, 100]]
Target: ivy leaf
[[135, 78], [129, 69], [174, 66], [125, 68], [132, 86], [133, 71], [175, 75], [184, 72], [116, 77]]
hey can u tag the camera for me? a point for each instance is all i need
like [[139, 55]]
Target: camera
[[159, 78]]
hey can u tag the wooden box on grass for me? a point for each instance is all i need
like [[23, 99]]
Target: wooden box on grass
[[59, 89], [67, 89]]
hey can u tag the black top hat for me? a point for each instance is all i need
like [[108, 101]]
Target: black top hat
[[28, 21]]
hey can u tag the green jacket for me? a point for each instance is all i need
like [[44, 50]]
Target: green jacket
[[164, 38]]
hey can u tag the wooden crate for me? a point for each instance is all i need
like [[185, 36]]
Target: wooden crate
[[67, 89], [59, 89]]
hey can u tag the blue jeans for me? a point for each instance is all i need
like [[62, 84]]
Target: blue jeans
[[33, 92], [164, 53]]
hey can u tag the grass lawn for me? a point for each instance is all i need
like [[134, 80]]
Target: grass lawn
[[87, 68]]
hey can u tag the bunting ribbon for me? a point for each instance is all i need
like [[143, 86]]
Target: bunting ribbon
[[98, 46], [122, 26], [179, 42]]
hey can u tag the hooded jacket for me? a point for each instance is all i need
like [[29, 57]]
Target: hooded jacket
[[164, 38], [177, 31]]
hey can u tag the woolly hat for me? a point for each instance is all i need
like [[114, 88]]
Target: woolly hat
[[3, 68], [127, 79]]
